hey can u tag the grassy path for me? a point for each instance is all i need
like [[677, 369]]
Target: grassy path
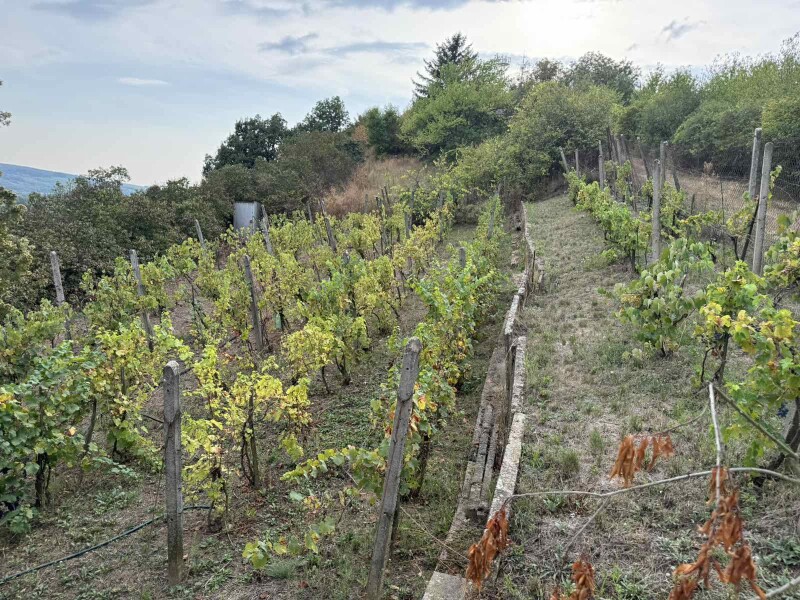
[[585, 393]]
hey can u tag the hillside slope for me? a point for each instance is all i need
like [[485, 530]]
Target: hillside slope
[[26, 180]]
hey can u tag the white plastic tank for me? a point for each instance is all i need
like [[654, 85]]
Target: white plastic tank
[[245, 215]]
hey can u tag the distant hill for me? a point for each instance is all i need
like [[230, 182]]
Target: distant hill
[[25, 180]]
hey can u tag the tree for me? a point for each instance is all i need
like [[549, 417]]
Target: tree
[[531, 74], [658, 109], [471, 103], [5, 117], [251, 139], [554, 115], [383, 130], [329, 114], [594, 68], [15, 250], [453, 51]]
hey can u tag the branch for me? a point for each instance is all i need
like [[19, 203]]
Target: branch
[[717, 442], [580, 531], [779, 442], [433, 537], [652, 484], [784, 588], [685, 423]]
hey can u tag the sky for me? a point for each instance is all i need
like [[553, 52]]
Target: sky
[[154, 85]]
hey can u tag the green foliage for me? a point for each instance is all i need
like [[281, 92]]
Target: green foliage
[[596, 69], [383, 131], [252, 139], [554, 115], [327, 115], [456, 300], [771, 340], [627, 231], [660, 107], [15, 250], [469, 104], [453, 51], [39, 412], [657, 303], [736, 292]]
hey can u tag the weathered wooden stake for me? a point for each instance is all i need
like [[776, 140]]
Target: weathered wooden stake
[[577, 164], [255, 314], [644, 160], [391, 484], [55, 265], [564, 161], [462, 257], [662, 156], [137, 273], [675, 172], [655, 241], [199, 231], [761, 214], [328, 228], [601, 164], [172, 469], [265, 232], [752, 185], [56, 268]]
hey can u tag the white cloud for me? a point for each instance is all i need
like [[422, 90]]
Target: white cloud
[[136, 81]]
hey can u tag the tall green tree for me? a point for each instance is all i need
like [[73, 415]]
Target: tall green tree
[[471, 102], [658, 109], [555, 115], [383, 131], [453, 51], [252, 139], [594, 68], [329, 115]]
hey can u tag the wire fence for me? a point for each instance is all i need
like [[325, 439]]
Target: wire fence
[[719, 181]]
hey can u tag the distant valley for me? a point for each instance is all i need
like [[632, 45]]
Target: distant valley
[[26, 180]]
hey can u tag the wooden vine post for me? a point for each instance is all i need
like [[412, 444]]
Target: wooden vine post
[[761, 213], [328, 228], [644, 160], [564, 161], [577, 164], [55, 265], [255, 314], [752, 186], [601, 166], [172, 469], [137, 273], [199, 232], [265, 232], [391, 484], [462, 257], [655, 241], [662, 156]]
